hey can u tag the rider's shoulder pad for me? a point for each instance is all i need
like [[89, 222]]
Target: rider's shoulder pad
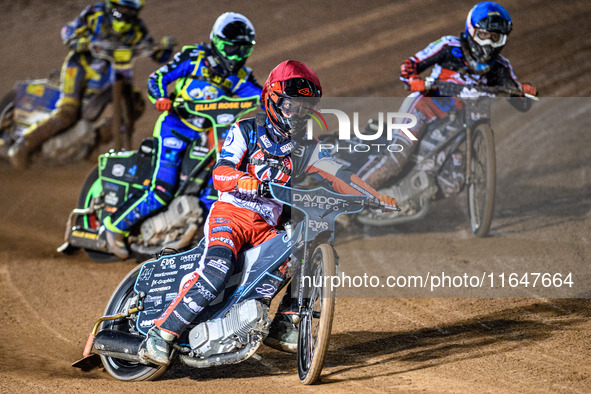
[[244, 72], [194, 50], [452, 40]]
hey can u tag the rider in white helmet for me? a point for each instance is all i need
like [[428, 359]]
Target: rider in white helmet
[[199, 72]]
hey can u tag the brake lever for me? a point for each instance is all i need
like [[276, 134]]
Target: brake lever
[[263, 189]]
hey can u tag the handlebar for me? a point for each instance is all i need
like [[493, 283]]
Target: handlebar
[[119, 54], [264, 190], [454, 89]]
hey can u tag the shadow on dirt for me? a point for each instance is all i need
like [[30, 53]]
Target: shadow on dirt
[[470, 339], [406, 351], [519, 202]]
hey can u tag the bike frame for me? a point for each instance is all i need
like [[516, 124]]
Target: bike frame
[[323, 217]]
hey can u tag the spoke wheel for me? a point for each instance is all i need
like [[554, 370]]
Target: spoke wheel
[[317, 315], [482, 181]]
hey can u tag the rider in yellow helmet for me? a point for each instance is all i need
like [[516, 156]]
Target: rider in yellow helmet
[[115, 20]]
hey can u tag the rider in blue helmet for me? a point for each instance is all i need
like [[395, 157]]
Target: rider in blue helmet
[[473, 58], [487, 26]]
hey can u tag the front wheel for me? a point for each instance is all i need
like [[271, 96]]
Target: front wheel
[[482, 180], [119, 302], [317, 314]]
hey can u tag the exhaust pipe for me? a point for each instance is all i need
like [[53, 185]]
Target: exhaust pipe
[[111, 343], [119, 345]]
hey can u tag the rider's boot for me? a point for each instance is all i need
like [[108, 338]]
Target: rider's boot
[[18, 154], [156, 348], [4, 146], [116, 244], [38, 133], [283, 333]]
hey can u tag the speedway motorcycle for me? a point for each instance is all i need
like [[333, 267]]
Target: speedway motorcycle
[[234, 325], [456, 153], [32, 101], [119, 175]]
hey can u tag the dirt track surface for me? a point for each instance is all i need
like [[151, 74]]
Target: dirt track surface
[[543, 213]]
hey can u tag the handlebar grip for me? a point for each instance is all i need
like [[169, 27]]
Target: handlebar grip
[[380, 207], [263, 190]]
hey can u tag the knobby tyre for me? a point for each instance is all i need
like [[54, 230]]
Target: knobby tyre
[[316, 320], [482, 184], [7, 111], [7, 122], [122, 369]]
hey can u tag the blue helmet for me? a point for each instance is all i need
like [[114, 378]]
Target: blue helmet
[[487, 27]]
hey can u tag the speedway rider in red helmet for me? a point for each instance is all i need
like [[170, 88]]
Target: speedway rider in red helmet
[[255, 150]]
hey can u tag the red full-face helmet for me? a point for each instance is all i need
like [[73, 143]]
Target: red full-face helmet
[[290, 95]]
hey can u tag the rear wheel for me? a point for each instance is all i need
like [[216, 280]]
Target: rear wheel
[[316, 320], [6, 122], [92, 189], [119, 302], [482, 181]]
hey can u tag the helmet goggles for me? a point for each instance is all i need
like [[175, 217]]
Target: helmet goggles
[[296, 106], [124, 13], [297, 97], [231, 50], [492, 38]]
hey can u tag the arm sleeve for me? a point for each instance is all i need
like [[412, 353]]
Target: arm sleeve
[[226, 172], [422, 60], [179, 67], [343, 180], [160, 55], [504, 76], [77, 30], [249, 87]]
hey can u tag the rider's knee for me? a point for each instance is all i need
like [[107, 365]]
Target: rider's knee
[[218, 264]]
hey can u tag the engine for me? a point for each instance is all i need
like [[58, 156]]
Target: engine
[[411, 191], [183, 215], [233, 331]]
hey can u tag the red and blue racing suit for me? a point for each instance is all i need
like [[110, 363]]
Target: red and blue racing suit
[[446, 57], [237, 219]]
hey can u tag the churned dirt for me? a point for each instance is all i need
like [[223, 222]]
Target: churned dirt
[[49, 301]]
